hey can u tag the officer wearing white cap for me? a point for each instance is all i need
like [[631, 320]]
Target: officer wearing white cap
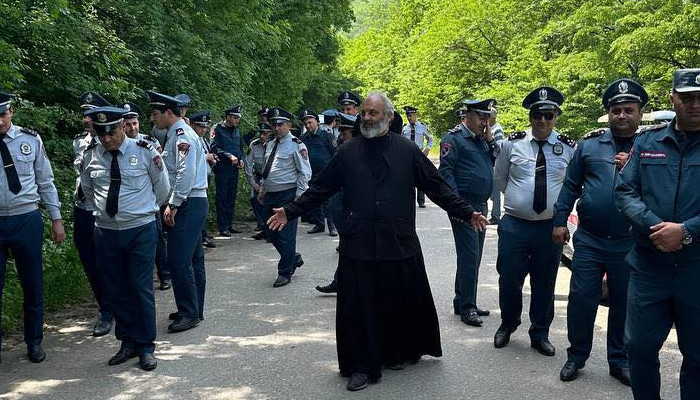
[[125, 182], [25, 179], [417, 132], [186, 212], [657, 192], [285, 177], [84, 221], [530, 170]]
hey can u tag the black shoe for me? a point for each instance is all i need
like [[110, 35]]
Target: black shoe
[[147, 362], [122, 356], [233, 230], [172, 316], [299, 262], [206, 242], [316, 229], [330, 288], [165, 284], [471, 318], [501, 338], [358, 381], [621, 374], [35, 353], [333, 233], [569, 371], [183, 324], [281, 281], [259, 236], [101, 328], [397, 366], [421, 205], [494, 221], [544, 347], [225, 233], [482, 313]]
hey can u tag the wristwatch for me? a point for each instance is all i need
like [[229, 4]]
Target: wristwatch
[[687, 236], [172, 206]]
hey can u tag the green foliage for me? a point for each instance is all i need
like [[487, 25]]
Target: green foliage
[[432, 54]]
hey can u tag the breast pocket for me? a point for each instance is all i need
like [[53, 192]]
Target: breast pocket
[[557, 167], [522, 167], [659, 177], [24, 164], [134, 179]]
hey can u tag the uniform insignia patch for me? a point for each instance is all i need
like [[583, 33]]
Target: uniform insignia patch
[[623, 87], [158, 162], [656, 155], [594, 134], [133, 160], [183, 148], [543, 94], [296, 139], [567, 140], [517, 135], [180, 131], [304, 154], [558, 149], [445, 149], [29, 131], [25, 148]]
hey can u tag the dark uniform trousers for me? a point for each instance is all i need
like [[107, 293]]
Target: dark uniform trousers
[[470, 246], [525, 247], [186, 257], [320, 214], [161, 249], [257, 209], [226, 181], [125, 264], [22, 234], [83, 238], [285, 240], [659, 295], [594, 257]]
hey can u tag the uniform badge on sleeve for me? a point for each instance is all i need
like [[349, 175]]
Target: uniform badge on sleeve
[[444, 149], [558, 149], [304, 153], [25, 148], [183, 148], [158, 162]]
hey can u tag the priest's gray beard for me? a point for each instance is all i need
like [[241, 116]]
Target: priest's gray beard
[[370, 130]]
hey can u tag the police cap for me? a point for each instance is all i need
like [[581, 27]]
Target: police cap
[[183, 99], [544, 98], [5, 101], [410, 110], [624, 91], [347, 121], [278, 115], [308, 114], [105, 119], [263, 111], [349, 98], [90, 100], [483, 108], [132, 110], [201, 118], [264, 127], [235, 110], [686, 80], [161, 101]]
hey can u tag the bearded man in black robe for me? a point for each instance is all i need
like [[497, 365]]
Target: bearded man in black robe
[[385, 311]]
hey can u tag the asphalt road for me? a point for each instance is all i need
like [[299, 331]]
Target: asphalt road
[[263, 343]]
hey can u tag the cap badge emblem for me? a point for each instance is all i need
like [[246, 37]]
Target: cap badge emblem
[[127, 107], [276, 113], [490, 105], [623, 87], [543, 94], [88, 98], [346, 95], [697, 79], [101, 117]]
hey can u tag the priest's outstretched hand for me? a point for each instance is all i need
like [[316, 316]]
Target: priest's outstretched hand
[[479, 222], [279, 219]]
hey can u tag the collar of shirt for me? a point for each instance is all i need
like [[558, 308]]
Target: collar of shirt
[[12, 132], [178, 124], [551, 139], [122, 147], [466, 131], [286, 138]]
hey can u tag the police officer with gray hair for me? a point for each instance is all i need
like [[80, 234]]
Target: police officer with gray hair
[[26, 178]]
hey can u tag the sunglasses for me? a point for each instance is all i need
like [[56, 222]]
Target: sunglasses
[[539, 115]]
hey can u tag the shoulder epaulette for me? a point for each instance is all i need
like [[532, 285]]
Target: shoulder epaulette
[[296, 139], [567, 140], [29, 131], [404, 125], [151, 138], [517, 135], [649, 128], [80, 135], [92, 145], [256, 142], [180, 131], [144, 144], [420, 123], [594, 134]]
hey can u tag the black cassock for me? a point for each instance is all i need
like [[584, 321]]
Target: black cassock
[[385, 310]]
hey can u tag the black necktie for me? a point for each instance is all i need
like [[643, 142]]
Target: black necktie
[[413, 132], [540, 202], [114, 183], [10, 171], [268, 164]]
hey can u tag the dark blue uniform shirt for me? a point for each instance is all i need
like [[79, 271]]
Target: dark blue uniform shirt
[[321, 148], [227, 141]]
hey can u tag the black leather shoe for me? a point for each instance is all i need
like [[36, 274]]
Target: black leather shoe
[[208, 243], [471, 318], [225, 233], [35, 353], [501, 338], [333, 233], [122, 356], [281, 281], [147, 362], [397, 366], [299, 262], [259, 236], [233, 230], [183, 324], [621, 374], [101, 328], [172, 316], [544, 347], [358, 381], [569, 371], [330, 288], [421, 205], [165, 284], [482, 313], [316, 229]]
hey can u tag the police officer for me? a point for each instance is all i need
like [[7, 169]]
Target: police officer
[[26, 178], [350, 103], [530, 170], [417, 132], [285, 176], [125, 182], [228, 147], [602, 239], [200, 124], [331, 121], [499, 137], [657, 192], [184, 105], [132, 128], [184, 216], [254, 166], [321, 148], [84, 221], [467, 155]]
